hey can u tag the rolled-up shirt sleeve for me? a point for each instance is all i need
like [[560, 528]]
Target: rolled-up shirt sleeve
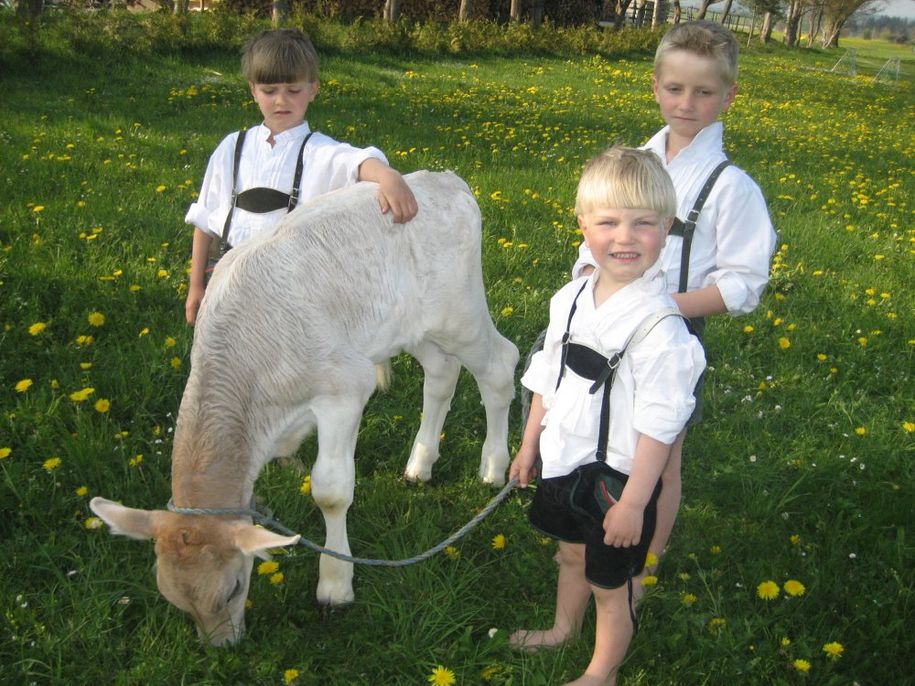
[[665, 374], [745, 242], [212, 206]]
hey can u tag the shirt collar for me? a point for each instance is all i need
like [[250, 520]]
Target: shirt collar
[[296, 132], [707, 141]]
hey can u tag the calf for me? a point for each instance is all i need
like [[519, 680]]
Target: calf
[[287, 340]]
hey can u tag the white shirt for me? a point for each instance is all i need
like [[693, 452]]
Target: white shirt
[[652, 391], [328, 165], [734, 239]]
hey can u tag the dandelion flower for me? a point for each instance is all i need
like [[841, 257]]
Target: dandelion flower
[[135, 461], [908, 427], [801, 665], [650, 559], [498, 542], [715, 550], [175, 362], [861, 431], [748, 329], [793, 587], [452, 553], [833, 650], [37, 328], [38, 208], [305, 488], [170, 342], [507, 311], [442, 676], [784, 343], [96, 319], [51, 464], [160, 188], [23, 386], [277, 579], [81, 491], [716, 625], [650, 580], [102, 405], [93, 523], [5, 453], [82, 395], [290, 675], [689, 599], [768, 590], [268, 567]]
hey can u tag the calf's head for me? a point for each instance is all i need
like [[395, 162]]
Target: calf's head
[[203, 564]]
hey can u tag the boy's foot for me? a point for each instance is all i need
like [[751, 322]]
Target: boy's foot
[[532, 641], [591, 680]]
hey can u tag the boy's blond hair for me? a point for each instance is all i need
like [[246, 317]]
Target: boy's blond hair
[[626, 178], [706, 39], [279, 56]]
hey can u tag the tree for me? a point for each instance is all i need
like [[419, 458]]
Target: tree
[[515, 12], [726, 10], [391, 10], [703, 8], [836, 13], [464, 11], [279, 12]]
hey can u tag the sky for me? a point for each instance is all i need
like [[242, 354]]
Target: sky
[[899, 8]]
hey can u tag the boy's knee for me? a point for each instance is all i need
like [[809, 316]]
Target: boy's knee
[[571, 555]]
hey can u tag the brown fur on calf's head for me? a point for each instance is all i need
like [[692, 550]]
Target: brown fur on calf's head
[[203, 563]]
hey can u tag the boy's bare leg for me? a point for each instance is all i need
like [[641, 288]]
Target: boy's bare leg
[[572, 595], [668, 506], [612, 638]]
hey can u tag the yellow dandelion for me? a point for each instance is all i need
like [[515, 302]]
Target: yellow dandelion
[[498, 542], [507, 311], [135, 461], [650, 580], [290, 676], [23, 386], [38, 208], [793, 587], [5, 452], [452, 553], [833, 650], [81, 491], [688, 599], [143, 332], [715, 550], [160, 188], [51, 464], [175, 362], [801, 665], [442, 676], [37, 328], [81, 395], [785, 642], [85, 366], [102, 405], [768, 590], [277, 579], [93, 523], [96, 319], [748, 329], [908, 427], [821, 357], [650, 559], [268, 567], [861, 431], [784, 343], [170, 342], [305, 488], [795, 539]]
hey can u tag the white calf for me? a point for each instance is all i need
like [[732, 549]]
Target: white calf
[[287, 340]]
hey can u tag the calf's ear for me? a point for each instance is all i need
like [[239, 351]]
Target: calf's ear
[[124, 521], [254, 540]]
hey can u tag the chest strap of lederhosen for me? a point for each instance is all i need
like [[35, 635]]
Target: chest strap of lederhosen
[[590, 364], [261, 200], [686, 228]]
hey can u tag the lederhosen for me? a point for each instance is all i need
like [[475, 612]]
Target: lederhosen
[[259, 200]]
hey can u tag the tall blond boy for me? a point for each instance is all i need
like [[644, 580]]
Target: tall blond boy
[[694, 83]]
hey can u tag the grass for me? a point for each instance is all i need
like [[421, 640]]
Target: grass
[[802, 469]]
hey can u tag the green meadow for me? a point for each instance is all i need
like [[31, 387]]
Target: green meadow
[[793, 559]]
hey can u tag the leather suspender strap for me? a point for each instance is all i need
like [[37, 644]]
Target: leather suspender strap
[[688, 227], [297, 179], [239, 144], [565, 336]]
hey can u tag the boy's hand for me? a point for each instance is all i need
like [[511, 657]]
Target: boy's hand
[[524, 466], [395, 196], [623, 525], [192, 304]]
